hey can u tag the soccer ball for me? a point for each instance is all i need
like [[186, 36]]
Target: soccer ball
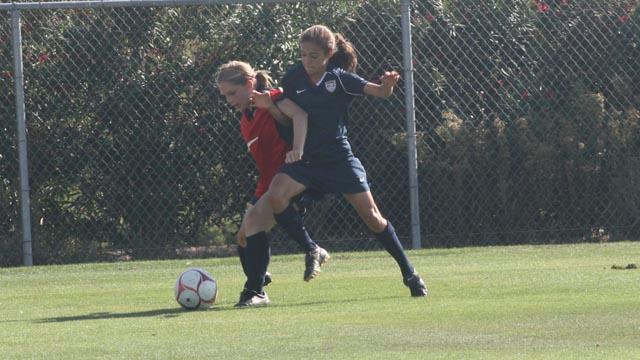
[[195, 289]]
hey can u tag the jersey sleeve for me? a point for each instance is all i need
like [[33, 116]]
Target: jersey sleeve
[[287, 85], [350, 82], [288, 89]]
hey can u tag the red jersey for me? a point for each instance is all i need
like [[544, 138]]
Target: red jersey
[[265, 144]]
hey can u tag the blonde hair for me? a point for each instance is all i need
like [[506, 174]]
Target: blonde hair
[[240, 72], [344, 54]]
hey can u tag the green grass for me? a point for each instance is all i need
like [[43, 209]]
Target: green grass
[[519, 302]]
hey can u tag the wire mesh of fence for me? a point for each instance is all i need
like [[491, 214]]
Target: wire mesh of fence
[[528, 128], [9, 203]]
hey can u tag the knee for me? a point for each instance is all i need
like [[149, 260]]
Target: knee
[[277, 199], [375, 222], [251, 221], [241, 240]]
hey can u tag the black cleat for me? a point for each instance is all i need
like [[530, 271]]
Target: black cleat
[[416, 285], [250, 298], [313, 261]]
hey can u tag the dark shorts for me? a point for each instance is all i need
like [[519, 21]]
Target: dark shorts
[[343, 177]]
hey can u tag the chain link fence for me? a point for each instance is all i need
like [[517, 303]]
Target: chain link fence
[[529, 120], [9, 206], [527, 117]]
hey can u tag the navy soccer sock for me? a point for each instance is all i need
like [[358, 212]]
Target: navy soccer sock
[[242, 254], [258, 254], [389, 239], [292, 223]]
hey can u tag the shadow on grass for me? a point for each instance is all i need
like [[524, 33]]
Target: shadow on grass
[[358, 301], [166, 313], [174, 312]]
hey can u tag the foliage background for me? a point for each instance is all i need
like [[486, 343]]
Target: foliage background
[[527, 115]]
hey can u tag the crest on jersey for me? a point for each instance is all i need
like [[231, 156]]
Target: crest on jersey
[[330, 85]]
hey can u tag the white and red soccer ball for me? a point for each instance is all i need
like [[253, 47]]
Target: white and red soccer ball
[[195, 289]]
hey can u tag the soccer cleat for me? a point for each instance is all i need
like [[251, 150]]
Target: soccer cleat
[[250, 298], [313, 261], [416, 285], [267, 279]]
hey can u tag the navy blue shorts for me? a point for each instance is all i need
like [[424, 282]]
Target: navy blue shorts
[[342, 177]]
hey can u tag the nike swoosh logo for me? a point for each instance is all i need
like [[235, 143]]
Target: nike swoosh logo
[[300, 91], [251, 142]]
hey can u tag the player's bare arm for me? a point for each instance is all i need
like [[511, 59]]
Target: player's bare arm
[[262, 100], [387, 82], [300, 124]]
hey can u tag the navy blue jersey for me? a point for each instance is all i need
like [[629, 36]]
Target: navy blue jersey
[[327, 104]]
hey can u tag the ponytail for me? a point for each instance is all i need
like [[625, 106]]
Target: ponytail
[[344, 55], [263, 80], [239, 73]]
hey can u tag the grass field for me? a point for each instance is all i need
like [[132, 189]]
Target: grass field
[[519, 302]]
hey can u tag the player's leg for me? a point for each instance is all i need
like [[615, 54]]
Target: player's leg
[[368, 211], [241, 240], [282, 189], [304, 201], [262, 219], [257, 221]]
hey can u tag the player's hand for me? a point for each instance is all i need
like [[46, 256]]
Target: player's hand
[[261, 100], [389, 79], [293, 156]]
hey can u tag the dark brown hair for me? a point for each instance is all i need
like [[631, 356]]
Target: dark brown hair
[[344, 54]]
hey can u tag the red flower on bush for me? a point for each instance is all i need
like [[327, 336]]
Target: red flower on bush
[[525, 94], [623, 18], [430, 18], [43, 57], [543, 7], [500, 82]]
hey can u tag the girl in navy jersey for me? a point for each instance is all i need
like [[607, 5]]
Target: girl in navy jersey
[[265, 127], [323, 85]]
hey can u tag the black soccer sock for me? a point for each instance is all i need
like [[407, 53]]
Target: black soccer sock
[[292, 223], [258, 253], [243, 261], [389, 239]]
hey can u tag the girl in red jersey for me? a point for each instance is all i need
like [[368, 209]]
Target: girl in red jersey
[[266, 123]]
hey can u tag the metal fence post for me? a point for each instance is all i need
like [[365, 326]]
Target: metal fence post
[[411, 124], [25, 202]]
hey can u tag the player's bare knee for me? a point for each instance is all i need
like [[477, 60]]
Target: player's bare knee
[[277, 199], [240, 239], [375, 222], [251, 221]]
